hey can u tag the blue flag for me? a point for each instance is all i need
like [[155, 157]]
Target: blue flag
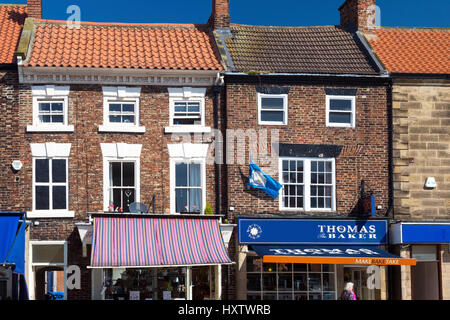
[[259, 180]]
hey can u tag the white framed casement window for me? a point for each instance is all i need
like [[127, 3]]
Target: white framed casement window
[[187, 110], [50, 109], [309, 184], [341, 111], [50, 181], [121, 110], [121, 176], [272, 109], [188, 178]]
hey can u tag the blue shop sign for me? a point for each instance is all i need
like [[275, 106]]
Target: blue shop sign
[[406, 232], [307, 231]]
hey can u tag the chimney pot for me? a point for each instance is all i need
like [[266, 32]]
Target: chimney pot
[[34, 9]]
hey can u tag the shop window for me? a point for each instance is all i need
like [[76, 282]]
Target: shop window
[[145, 284], [286, 281]]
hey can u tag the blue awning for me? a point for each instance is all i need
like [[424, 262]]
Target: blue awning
[[12, 241], [357, 255]]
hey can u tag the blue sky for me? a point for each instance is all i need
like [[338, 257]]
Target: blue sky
[[421, 13]]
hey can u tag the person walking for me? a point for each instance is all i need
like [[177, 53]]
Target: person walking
[[348, 293]]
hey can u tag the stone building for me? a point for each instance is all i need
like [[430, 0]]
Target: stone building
[[417, 60]]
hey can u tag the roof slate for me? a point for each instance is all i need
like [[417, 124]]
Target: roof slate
[[12, 18], [314, 50], [116, 45], [413, 50]]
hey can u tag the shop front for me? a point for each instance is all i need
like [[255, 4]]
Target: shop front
[[312, 259], [157, 257], [429, 244]]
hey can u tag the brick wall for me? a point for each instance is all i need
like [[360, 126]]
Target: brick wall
[[359, 13], [86, 162], [421, 115], [220, 16], [11, 187], [34, 8], [365, 148]]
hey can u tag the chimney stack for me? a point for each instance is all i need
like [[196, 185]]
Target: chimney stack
[[220, 17], [358, 15], [34, 8]]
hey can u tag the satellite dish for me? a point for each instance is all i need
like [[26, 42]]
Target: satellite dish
[[138, 207]]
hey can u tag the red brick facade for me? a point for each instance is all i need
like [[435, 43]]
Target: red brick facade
[[365, 148], [11, 185], [365, 153], [86, 163]]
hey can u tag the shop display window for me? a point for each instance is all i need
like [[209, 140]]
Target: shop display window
[[145, 284], [286, 281]]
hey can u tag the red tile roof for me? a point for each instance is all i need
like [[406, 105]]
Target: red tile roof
[[118, 45], [413, 50], [12, 18]]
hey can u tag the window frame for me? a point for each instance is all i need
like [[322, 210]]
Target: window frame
[[107, 181], [201, 102], [50, 185], [307, 184], [111, 100], [110, 187], [173, 187], [121, 95], [292, 273], [285, 98], [353, 111], [50, 94]]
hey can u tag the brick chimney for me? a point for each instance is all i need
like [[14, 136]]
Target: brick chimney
[[34, 8], [220, 17], [358, 15]]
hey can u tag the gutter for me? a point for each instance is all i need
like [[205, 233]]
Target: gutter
[[382, 76]]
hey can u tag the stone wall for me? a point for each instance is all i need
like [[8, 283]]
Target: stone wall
[[421, 118]]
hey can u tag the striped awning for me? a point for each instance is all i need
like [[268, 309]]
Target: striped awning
[[130, 241]]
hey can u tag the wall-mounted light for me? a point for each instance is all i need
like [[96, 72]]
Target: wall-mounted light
[[17, 165], [431, 183]]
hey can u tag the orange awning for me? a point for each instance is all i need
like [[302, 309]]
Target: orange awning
[[356, 255]]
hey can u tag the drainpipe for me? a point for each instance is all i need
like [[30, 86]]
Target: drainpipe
[[391, 153], [390, 212], [217, 167]]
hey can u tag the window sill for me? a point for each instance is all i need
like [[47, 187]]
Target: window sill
[[51, 214], [334, 125], [50, 128], [121, 129], [272, 124], [187, 129]]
